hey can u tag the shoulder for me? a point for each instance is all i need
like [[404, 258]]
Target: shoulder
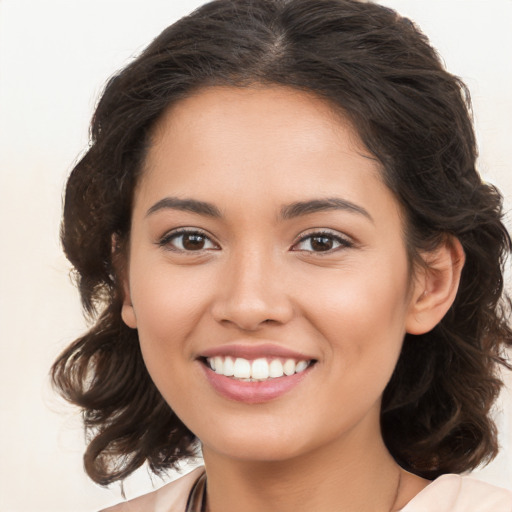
[[171, 497], [455, 493]]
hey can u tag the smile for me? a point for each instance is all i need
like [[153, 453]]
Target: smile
[[257, 370], [254, 373]]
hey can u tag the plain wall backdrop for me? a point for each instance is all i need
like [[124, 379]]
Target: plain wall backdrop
[[54, 59]]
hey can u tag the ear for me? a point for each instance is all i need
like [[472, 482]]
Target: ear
[[127, 311], [436, 285], [120, 263]]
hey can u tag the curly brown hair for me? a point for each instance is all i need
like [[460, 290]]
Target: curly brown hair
[[382, 73]]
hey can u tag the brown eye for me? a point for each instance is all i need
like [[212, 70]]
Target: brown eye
[[322, 242], [193, 242], [187, 241]]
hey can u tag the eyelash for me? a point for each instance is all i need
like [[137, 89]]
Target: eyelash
[[166, 241], [343, 242]]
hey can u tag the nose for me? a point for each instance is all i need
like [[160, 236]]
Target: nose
[[252, 293]]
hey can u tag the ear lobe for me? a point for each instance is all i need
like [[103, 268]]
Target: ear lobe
[[436, 286], [121, 269], [127, 311]]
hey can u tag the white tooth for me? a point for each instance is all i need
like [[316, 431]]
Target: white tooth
[[218, 363], [276, 368], [242, 368], [229, 367], [289, 367], [211, 362], [259, 369], [301, 366]]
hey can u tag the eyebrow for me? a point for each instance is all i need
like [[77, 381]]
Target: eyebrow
[[320, 205], [188, 205], [289, 211]]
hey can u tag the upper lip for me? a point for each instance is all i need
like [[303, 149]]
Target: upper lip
[[255, 351]]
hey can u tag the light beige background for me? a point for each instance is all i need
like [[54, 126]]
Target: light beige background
[[54, 57]]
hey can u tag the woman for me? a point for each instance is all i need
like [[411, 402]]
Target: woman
[[297, 269]]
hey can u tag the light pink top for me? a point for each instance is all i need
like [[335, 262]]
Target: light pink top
[[448, 493], [455, 493]]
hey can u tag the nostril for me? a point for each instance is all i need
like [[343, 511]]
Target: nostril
[[251, 313]]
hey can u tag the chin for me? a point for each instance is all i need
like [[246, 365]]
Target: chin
[[258, 452], [257, 444]]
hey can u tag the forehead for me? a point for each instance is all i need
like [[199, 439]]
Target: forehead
[[275, 105], [263, 127]]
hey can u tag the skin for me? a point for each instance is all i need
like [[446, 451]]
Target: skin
[[257, 278]]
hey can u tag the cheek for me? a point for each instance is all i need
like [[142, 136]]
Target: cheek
[[363, 324], [168, 307], [362, 315], [165, 319], [166, 303]]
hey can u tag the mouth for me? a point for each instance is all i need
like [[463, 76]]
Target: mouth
[[262, 369], [254, 374]]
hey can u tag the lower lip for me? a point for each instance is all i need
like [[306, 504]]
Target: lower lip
[[253, 392]]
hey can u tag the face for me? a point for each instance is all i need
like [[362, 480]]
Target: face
[[265, 244]]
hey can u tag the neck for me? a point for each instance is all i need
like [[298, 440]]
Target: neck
[[346, 475]]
